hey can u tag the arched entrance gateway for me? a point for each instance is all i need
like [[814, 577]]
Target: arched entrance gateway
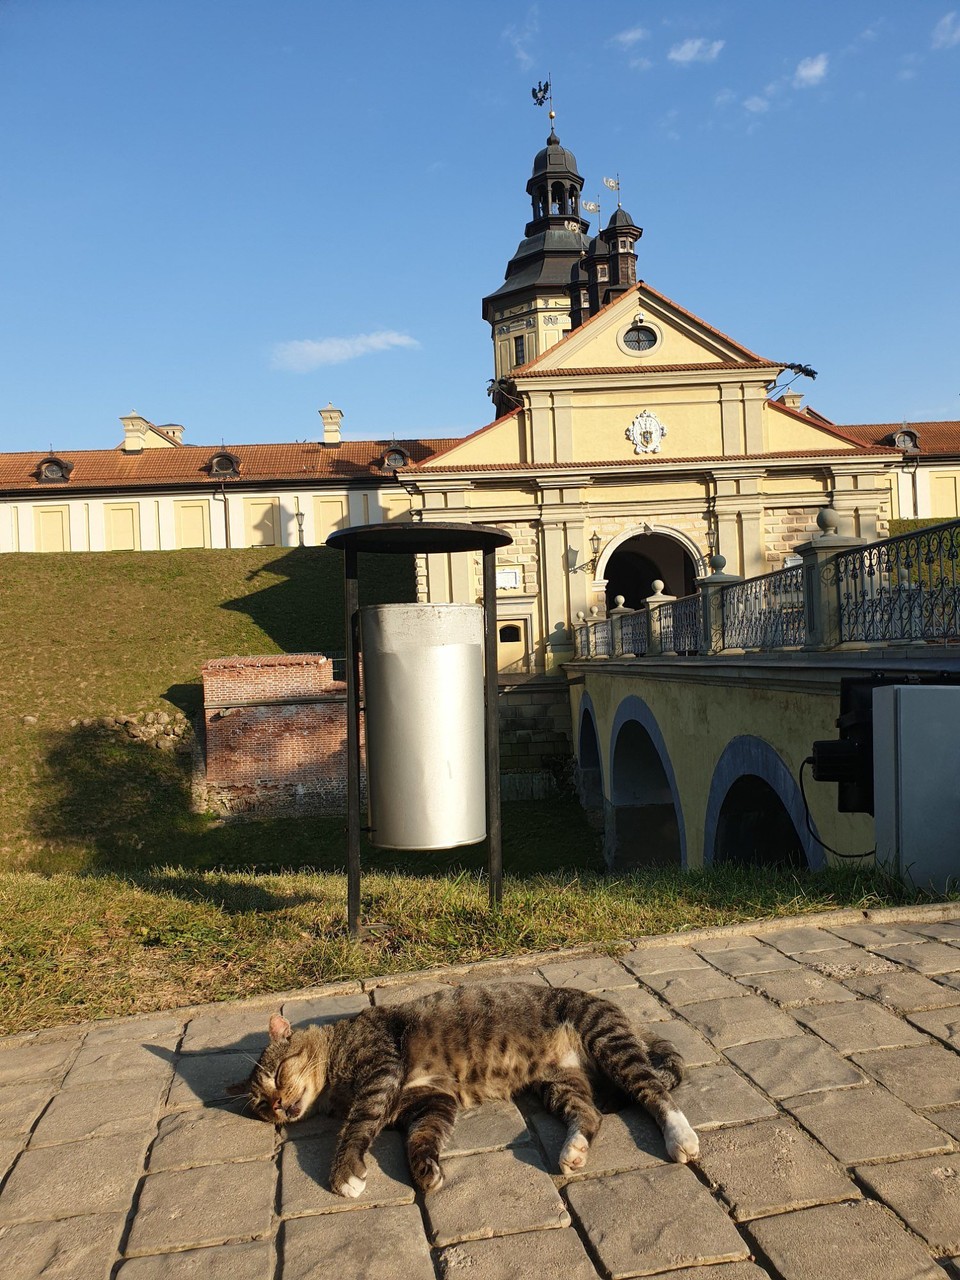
[[635, 561]]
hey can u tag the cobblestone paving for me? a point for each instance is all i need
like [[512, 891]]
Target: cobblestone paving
[[823, 1077]]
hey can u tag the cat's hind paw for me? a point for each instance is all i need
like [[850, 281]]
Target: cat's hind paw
[[574, 1154], [682, 1142], [351, 1187]]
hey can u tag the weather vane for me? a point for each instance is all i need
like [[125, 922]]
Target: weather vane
[[542, 94]]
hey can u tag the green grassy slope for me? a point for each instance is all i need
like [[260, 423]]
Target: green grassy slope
[[89, 635]]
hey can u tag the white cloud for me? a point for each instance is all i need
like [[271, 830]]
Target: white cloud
[[757, 104], [519, 37], [810, 71], [946, 33], [640, 64], [699, 50], [306, 354], [626, 39]]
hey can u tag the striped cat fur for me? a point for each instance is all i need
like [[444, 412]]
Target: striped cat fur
[[414, 1065]]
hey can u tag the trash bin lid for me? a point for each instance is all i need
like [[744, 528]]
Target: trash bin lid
[[418, 537]]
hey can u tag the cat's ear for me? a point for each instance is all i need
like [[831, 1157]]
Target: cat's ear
[[280, 1028]]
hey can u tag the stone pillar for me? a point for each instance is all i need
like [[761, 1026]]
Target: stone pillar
[[615, 615], [821, 602], [711, 589]]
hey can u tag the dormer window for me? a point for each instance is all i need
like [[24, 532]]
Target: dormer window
[[906, 440], [54, 471], [395, 458], [224, 466]]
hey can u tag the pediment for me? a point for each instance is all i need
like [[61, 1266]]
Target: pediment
[[669, 336]]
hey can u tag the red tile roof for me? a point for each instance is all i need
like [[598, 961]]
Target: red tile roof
[[186, 465], [932, 437]]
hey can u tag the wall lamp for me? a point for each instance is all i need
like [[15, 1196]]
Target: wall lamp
[[588, 566], [300, 528]]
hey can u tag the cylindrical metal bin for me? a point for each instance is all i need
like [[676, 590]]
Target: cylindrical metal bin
[[423, 695]]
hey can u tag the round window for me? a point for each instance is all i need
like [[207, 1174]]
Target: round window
[[640, 338]]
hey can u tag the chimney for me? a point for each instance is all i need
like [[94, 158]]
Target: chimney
[[173, 429], [135, 431], [792, 400], [331, 424]]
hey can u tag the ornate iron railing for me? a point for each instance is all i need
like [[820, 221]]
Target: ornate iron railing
[[764, 612], [904, 588], [581, 640], [686, 624], [633, 633], [601, 641]]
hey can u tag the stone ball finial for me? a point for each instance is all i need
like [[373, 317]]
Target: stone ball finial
[[619, 601], [658, 586], [827, 521], [581, 616], [718, 563], [594, 611]]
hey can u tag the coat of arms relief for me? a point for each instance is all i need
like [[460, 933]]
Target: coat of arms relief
[[646, 432]]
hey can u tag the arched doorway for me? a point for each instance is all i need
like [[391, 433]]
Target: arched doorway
[[637, 562], [641, 821], [755, 830], [589, 774]]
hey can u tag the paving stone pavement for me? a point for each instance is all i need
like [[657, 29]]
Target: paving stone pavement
[[823, 1077]]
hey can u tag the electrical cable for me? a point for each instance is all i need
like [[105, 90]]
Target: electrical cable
[[806, 810]]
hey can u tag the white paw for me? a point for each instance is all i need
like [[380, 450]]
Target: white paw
[[352, 1188], [574, 1153], [433, 1180], [682, 1143]]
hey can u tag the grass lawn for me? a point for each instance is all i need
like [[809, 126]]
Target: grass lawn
[[115, 897], [89, 946]]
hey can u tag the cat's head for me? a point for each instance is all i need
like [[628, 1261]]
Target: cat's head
[[290, 1076]]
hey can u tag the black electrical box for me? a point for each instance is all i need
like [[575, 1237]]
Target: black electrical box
[[848, 760]]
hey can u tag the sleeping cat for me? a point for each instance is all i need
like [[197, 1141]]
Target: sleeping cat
[[415, 1064]]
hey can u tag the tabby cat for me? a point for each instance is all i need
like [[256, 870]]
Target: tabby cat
[[414, 1064]]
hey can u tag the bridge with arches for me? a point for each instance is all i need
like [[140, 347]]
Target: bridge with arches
[[693, 717]]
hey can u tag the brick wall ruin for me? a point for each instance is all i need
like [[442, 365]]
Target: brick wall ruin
[[276, 736]]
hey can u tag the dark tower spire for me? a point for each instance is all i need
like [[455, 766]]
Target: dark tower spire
[[530, 312]]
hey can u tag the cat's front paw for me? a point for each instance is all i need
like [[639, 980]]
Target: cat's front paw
[[682, 1142], [350, 1187]]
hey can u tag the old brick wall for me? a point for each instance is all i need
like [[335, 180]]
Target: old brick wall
[[275, 734]]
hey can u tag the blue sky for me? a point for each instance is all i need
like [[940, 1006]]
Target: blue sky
[[226, 213]]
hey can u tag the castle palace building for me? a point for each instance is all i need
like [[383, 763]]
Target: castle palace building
[[633, 442]]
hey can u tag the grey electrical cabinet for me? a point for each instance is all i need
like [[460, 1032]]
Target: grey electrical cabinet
[[916, 779]]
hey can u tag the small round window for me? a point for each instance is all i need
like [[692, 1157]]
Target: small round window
[[640, 338], [53, 471]]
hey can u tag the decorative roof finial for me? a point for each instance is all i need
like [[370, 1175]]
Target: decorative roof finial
[[542, 94]]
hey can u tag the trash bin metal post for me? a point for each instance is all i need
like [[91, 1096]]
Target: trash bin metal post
[[495, 852], [351, 601]]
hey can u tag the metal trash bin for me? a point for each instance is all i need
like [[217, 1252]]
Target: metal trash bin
[[424, 701]]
